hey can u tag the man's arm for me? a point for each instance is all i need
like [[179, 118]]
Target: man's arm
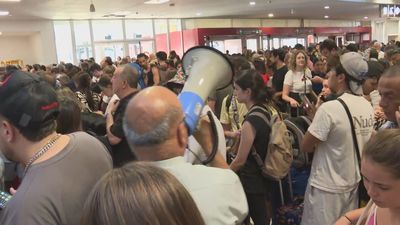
[[309, 143], [114, 140], [204, 136]]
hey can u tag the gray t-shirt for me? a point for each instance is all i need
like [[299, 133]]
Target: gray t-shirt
[[54, 191]]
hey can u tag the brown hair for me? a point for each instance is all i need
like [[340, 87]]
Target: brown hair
[[383, 148], [292, 60], [139, 193]]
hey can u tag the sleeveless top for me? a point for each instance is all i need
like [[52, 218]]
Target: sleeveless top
[[368, 216]]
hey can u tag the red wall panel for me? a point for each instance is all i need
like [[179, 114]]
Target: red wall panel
[[176, 42], [190, 39], [161, 43]]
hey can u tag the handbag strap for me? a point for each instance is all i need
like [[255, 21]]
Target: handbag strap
[[353, 131]]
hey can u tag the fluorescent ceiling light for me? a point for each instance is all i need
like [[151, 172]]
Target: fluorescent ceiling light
[[155, 2], [366, 17], [10, 0], [4, 13], [271, 15], [326, 17], [327, 7], [198, 14], [252, 3]]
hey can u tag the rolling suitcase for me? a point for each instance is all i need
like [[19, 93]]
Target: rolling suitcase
[[290, 213]]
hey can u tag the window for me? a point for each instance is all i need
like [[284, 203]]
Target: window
[[112, 50], [275, 43], [219, 45], [140, 47], [175, 36], [62, 32], [139, 29], [234, 46], [265, 42], [251, 44], [290, 42], [104, 30], [161, 29], [82, 40]]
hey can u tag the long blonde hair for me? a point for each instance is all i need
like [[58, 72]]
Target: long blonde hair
[[139, 193], [292, 60]]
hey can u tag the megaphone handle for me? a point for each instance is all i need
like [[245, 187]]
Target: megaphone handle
[[215, 141]]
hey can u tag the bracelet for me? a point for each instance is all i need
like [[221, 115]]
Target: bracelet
[[347, 218]]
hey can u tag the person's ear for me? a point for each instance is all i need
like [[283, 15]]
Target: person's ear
[[248, 91], [182, 134], [7, 131], [341, 77]]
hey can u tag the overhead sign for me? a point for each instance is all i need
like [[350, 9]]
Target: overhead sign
[[389, 10]]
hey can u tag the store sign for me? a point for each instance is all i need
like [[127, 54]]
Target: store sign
[[389, 10], [249, 31]]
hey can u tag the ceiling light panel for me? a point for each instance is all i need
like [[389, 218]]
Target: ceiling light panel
[[155, 2], [4, 13]]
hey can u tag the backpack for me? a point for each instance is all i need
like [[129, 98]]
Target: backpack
[[279, 158]]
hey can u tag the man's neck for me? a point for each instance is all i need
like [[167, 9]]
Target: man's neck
[[127, 92], [279, 65], [31, 148], [161, 152], [341, 90]]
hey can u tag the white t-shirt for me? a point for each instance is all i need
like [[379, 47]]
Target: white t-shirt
[[218, 193], [196, 153], [113, 98], [335, 165], [375, 98], [295, 81]]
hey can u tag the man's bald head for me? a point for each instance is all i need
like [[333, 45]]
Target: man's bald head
[[152, 116]]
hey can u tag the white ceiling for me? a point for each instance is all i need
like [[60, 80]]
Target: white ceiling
[[79, 9]]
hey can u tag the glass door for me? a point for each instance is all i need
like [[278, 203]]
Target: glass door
[[251, 44], [137, 47], [112, 50]]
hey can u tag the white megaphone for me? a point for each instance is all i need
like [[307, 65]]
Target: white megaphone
[[208, 70]]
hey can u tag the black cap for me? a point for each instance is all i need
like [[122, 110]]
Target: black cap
[[27, 101]]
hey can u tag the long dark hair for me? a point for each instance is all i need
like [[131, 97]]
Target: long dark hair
[[69, 118], [84, 87], [259, 92]]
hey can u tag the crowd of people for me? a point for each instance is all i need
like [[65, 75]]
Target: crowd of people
[[106, 143]]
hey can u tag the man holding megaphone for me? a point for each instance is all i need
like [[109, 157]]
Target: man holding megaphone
[[157, 127], [156, 132]]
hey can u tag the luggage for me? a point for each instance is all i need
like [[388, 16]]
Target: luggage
[[297, 127], [290, 213]]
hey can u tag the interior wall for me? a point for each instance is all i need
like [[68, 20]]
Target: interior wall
[[385, 27], [43, 47], [17, 47], [224, 23]]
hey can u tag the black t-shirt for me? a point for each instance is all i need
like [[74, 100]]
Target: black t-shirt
[[250, 174], [317, 87], [278, 78], [121, 152]]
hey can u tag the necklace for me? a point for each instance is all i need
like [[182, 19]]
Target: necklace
[[43, 150]]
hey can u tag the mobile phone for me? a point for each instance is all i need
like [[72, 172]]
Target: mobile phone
[[306, 102], [4, 199]]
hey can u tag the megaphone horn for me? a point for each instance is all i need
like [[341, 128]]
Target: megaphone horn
[[208, 70]]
